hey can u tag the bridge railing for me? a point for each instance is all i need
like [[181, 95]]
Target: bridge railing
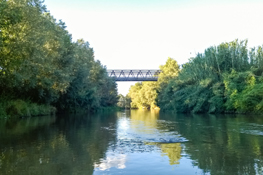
[[134, 75]]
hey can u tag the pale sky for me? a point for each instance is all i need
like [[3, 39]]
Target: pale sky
[[142, 34]]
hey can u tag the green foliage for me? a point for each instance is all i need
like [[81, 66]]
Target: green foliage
[[18, 108], [121, 101], [226, 78], [91, 88], [134, 95], [168, 71], [124, 101], [40, 62], [243, 91], [216, 102], [145, 95]]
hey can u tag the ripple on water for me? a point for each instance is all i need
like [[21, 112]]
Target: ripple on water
[[252, 132]]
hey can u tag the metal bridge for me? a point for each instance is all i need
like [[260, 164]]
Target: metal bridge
[[134, 75]]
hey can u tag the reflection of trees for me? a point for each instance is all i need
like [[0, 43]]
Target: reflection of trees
[[173, 151], [222, 145], [9, 128], [71, 145], [144, 121]]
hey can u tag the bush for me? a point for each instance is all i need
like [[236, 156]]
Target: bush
[[20, 108]]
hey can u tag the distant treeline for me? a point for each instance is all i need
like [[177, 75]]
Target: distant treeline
[[40, 65], [226, 78]]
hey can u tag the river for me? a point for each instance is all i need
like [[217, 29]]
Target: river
[[132, 142]]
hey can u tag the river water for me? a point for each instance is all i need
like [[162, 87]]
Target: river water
[[132, 142]]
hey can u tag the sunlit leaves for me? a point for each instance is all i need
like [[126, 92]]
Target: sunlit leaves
[[168, 71], [225, 78], [40, 62]]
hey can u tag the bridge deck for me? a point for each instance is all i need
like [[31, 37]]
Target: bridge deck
[[134, 75]]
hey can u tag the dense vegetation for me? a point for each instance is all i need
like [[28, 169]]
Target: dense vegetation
[[40, 65], [145, 94], [225, 78]]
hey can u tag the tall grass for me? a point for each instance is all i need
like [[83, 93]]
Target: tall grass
[[21, 108]]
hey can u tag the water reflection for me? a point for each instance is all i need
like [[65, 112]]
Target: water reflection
[[222, 144], [140, 133], [112, 160], [132, 142], [172, 150], [144, 121], [65, 145]]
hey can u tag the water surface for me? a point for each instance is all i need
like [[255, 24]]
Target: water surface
[[132, 142]]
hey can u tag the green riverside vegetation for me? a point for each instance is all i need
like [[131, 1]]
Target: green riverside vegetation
[[224, 79], [42, 69], [144, 95]]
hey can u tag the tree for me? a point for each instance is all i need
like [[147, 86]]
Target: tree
[[168, 71]]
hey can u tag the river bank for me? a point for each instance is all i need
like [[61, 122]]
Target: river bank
[[21, 108], [42, 69], [224, 79]]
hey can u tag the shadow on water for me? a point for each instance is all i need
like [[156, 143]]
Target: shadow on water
[[222, 144], [132, 142], [68, 144]]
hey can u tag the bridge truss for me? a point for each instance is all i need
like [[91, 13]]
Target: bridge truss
[[134, 75]]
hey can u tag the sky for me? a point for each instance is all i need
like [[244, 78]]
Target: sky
[[142, 34]]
